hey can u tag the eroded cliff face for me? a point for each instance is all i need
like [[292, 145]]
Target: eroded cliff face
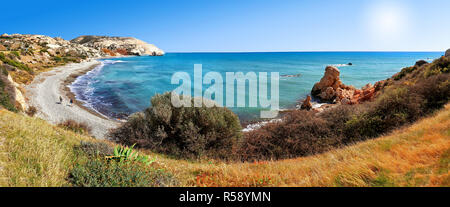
[[116, 46]]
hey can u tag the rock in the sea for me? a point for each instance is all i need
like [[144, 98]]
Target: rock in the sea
[[350, 64], [421, 62], [447, 53], [331, 89], [307, 104], [329, 79]]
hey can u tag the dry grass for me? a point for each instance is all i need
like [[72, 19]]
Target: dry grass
[[39, 154]]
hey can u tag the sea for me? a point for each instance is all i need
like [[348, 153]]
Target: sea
[[119, 87]]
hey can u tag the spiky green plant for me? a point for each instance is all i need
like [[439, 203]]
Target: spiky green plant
[[122, 154]]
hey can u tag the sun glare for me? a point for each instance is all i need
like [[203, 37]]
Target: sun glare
[[387, 20]]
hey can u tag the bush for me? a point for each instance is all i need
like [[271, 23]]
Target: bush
[[404, 72], [101, 173], [392, 109], [187, 131], [301, 133], [439, 66], [16, 53], [80, 128], [31, 111], [96, 149], [435, 91]]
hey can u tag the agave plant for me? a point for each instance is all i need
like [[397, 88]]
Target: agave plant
[[122, 154]]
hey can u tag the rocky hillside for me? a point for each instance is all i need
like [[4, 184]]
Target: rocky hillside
[[116, 46], [22, 57]]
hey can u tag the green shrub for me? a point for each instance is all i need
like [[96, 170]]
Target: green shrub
[[404, 72], [101, 173], [16, 53], [439, 66], [184, 132], [392, 109], [57, 59]]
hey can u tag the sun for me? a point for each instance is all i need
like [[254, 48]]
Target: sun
[[387, 20]]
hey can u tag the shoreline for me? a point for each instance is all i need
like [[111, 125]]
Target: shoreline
[[45, 90]]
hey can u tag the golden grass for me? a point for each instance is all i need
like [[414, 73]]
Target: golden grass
[[39, 154]]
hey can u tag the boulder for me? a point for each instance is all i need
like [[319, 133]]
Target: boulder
[[329, 79], [447, 53], [330, 89], [307, 104], [421, 62], [2, 48]]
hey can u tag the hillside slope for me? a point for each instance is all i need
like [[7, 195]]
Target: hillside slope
[[35, 153]]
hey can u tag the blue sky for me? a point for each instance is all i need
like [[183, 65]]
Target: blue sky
[[245, 25]]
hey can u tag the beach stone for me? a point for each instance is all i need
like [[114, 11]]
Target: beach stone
[[447, 53]]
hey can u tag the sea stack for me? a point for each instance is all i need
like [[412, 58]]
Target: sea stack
[[331, 89], [307, 104]]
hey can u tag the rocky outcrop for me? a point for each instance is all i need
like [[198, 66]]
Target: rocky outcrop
[[331, 89], [116, 46], [420, 63], [307, 104], [447, 53]]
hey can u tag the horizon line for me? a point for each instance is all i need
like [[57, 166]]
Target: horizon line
[[293, 51]]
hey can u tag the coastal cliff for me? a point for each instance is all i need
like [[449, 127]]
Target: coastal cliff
[[23, 56], [116, 46]]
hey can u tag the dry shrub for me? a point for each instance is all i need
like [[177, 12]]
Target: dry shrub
[[77, 127], [31, 111], [300, 133], [190, 132]]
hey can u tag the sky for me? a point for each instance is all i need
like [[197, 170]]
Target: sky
[[243, 25]]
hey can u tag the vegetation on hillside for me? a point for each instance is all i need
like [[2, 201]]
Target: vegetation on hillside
[[39, 154], [183, 132]]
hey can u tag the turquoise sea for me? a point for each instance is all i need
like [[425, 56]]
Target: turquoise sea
[[121, 86]]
